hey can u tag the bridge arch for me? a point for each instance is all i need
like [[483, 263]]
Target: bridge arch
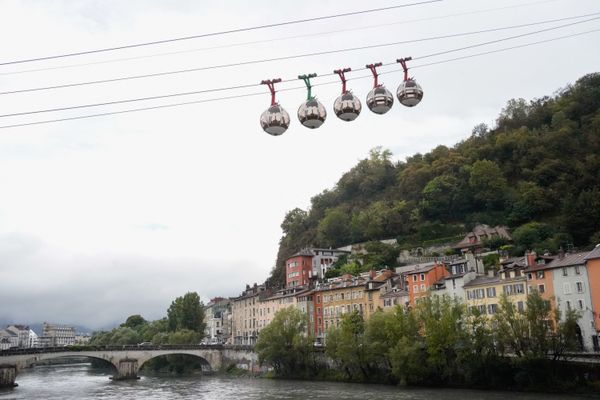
[[204, 363]]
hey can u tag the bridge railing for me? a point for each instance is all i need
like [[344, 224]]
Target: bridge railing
[[81, 348]]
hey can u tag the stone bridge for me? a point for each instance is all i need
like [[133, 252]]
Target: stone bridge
[[126, 360]]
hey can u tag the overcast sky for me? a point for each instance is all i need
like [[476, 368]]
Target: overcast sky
[[106, 217]]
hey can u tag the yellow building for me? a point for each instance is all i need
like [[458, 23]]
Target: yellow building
[[483, 293], [347, 294]]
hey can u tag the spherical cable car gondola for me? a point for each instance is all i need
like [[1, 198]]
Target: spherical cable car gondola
[[379, 99], [347, 106], [312, 112], [275, 120], [409, 91]]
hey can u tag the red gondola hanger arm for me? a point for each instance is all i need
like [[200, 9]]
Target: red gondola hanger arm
[[341, 73], [373, 68], [271, 85], [402, 62]]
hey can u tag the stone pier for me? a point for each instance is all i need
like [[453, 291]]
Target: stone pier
[[127, 369], [8, 374]]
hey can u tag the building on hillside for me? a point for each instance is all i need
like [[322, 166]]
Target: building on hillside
[[422, 278], [539, 278], [395, 297], [244, 329], [571, 285], [55, 335], [452, 285], [269, 306], [483, 293], [479, 235], [305, 303], [592, 260], [22, 333], [217, 317], [346, 294], [310, 263]]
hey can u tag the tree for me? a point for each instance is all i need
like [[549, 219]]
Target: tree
[[134, 321], [284, 344], [488, 184], [348, 347], [334, 229], [186, 312]]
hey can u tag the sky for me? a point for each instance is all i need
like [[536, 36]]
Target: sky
[[101, 218]]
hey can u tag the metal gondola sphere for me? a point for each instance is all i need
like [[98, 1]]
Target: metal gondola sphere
[[380, 100], [275, 120], [347, 107], [409, 93], [312, 113]]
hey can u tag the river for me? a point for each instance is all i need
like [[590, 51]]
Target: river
[[80, 381]]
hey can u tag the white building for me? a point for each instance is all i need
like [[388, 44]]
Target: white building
[[54, 335]]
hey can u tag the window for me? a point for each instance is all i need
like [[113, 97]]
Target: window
[[414, 278], [422, 277], [580, 304], [564, 271], [482, 309], [492, 309], [520, 306], [529, 276], [416, 288], [423, 288], [318, 310], [566, 288], [579, 286], [371, 307], [540, 274], [491, 292], [479, 294], [370, 295], [541, 288], [577, 270], [568, 305]]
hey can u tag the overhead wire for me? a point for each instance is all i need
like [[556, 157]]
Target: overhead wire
[[220, 33], [170, 95], [287, 89], [335, 51], [277, 39]]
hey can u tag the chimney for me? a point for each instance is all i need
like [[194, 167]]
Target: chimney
[[561, 253], [491, 273], [531, 256]]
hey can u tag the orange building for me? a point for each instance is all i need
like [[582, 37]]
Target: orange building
[[539, 277], [593, 270], [422, 278]]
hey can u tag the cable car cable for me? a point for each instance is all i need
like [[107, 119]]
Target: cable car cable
[[240, 44], [260, 61], [288, 80], [237, 30], [286, 89]]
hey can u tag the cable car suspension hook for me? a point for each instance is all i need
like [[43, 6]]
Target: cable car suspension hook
[[373, 69], [341, 73], [271, 85]]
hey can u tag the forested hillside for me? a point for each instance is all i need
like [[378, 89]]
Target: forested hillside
[[537, 171]]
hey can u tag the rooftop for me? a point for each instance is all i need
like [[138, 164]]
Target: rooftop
[[594, 253], [567, 260]]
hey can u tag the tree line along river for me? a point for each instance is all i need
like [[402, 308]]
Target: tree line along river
[[81, 381]]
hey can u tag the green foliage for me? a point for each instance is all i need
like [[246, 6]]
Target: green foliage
[[134, 321], [186, 312], [284, 345], [491, 261], [540, 163]]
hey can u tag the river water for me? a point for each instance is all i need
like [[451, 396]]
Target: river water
[[80, 381]]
